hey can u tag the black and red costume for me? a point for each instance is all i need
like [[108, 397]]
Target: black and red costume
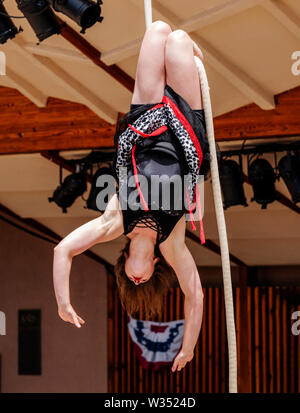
[[167, 138]]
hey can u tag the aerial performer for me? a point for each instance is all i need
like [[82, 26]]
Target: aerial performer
[[164, 135]]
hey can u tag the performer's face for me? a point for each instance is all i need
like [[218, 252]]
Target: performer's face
[[139, 270]]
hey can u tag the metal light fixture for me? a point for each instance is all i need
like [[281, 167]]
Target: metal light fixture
[[41, 17], [83, 12], [72, 187], [231, 177], [262, 178], [7, 28], [289, 170]]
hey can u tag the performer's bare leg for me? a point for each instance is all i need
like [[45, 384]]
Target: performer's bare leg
[[181, 71], [150, 74]]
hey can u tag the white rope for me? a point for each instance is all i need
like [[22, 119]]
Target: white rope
[[148, 12], [230, 324]]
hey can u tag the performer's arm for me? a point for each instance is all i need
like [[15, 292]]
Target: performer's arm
[[102, 229], [179, 257], [189, 281]]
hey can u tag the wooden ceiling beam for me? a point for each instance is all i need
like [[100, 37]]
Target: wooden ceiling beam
[[64, 125], [67, 82], [94, 55], [35, 95], [79, 91], [251, 122]]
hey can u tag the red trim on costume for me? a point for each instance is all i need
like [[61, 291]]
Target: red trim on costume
[[187, 126], [148, 135], [202, 236], [145, 206], [197, 193], [190, 211], [159, 105]]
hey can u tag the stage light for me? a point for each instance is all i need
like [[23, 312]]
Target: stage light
[[91, 201], [262, 178], [41, 17], [7, 29], [83, 12], [231, 177], [289, 170], [72, 187]]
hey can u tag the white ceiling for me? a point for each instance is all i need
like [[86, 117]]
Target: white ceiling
[[247, 46]]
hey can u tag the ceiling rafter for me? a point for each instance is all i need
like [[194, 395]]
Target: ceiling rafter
[[64, 125], [88, 50], [34, 94], [57, 52], [202, 19], [215, 14], [235, 75], [283, 14], [122, 52], [77, 89]]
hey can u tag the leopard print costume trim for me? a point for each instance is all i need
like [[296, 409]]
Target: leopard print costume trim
[[149, 122]]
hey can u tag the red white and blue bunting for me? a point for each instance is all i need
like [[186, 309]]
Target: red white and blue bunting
[[156, 344]]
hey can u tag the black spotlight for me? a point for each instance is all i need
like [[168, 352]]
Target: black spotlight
[[72, 187], [84, 12], [7, 29], [231, 177], [289, 170], [91, 201], [262, 178], [41, 17]]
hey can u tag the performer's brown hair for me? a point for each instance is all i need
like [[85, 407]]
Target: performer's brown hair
[[147, 296]]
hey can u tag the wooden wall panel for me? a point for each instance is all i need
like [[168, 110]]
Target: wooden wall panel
[[273, 351]]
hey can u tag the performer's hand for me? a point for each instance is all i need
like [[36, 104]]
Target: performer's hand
[[181, 359], [67, 313]]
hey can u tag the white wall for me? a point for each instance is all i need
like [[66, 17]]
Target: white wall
[[73, 360]]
